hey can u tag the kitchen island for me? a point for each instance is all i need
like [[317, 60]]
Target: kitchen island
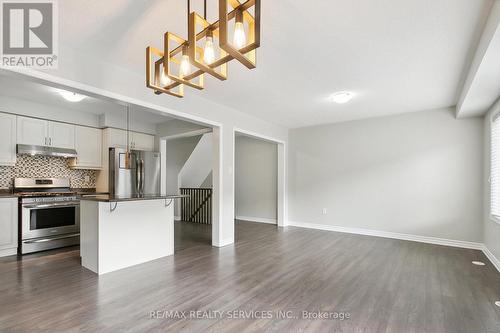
[[118, 232]]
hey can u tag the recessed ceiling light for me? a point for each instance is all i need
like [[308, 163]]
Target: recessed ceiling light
[[342, 97], [71, 96], [478, 263]]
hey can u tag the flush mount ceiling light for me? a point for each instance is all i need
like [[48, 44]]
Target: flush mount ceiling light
[[341, 97], [71, 96], [207, 50]]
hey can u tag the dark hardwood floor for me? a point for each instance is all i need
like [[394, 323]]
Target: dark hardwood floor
[[384, 285]]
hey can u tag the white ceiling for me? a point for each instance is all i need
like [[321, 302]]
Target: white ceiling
[[34, 92], [397, 56]]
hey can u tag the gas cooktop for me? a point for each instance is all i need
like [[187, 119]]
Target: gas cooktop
[[42, 187], [44, 194]]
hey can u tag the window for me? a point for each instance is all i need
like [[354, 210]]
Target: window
[[495, 168]]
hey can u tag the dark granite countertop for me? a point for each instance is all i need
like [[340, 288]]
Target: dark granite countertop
[[7, 193], [117, 198], [85, 194], [80, 192]]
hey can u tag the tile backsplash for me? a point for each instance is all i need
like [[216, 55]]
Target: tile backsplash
[[45, 167]]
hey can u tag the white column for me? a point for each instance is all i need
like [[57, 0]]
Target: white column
[[223, 187], [282, 174]]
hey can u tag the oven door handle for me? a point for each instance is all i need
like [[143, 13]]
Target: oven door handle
[[72, 204], [43, 240]]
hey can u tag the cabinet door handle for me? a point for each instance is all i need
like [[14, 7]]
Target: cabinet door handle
[[50, 141]]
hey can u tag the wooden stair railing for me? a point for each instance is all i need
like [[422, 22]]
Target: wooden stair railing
[[198, 206]]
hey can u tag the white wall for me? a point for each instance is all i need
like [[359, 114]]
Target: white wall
[[418, 173], [491, 229], [198, 166], [119, 120], [255, 172], [175, 127], [178, 151]]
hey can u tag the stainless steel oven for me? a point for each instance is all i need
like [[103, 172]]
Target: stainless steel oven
[[44, 218], [49, 214]]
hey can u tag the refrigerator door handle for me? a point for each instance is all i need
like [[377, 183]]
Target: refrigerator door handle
[[142, 176], [137, 176]]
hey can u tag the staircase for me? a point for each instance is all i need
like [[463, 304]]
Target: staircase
[[198, 206]]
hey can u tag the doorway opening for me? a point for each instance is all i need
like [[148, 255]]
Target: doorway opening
[[187, 154], [258, 177]]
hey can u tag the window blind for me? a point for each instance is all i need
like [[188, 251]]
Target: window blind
[[495, 167]]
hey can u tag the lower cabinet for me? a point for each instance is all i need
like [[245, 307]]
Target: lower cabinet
[[8, 226]]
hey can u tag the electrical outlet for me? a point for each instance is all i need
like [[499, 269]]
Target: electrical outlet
[[87, 179], [324, 211]]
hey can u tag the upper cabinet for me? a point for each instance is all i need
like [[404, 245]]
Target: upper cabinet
[[61, 135], [116, 138], [138, 141], [88, 145], [31, 131], [8, 139]]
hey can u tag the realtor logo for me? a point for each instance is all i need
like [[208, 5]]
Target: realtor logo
[[29, 33]]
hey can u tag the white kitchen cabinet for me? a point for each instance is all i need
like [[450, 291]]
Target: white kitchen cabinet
[[61, 135], [8, 139], [31, 131], [140, 141], [116, 137], [8, 226], [88, 145]]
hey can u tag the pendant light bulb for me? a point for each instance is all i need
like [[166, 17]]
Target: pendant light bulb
[[239, 38], [164, 79], [185, 65], [208, 52]]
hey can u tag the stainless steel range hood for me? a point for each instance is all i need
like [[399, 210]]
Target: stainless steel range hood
[[45, 151]]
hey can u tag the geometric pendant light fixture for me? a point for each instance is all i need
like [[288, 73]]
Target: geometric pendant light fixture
[[207, 49]]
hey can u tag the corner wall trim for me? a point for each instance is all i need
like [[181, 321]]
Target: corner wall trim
[[224, 242], [494, 260], [256, 219], [388, 234]]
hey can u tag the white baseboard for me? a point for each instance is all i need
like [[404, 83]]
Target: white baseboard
[[222, 243], [494, 260], [256, 219], [8, 252], [388, 234]]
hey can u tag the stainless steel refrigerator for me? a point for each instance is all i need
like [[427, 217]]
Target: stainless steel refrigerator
[[143, 178]]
